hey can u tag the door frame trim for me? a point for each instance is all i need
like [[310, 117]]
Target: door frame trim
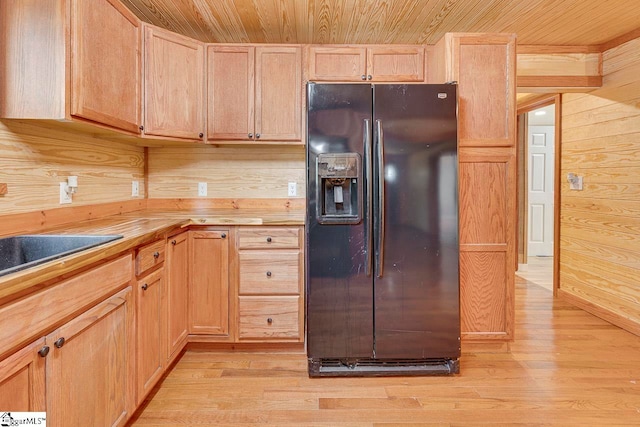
[[530, 105]]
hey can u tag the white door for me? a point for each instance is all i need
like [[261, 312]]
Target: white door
[[541, 169]]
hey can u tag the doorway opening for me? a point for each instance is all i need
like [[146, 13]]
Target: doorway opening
[[538, 191]]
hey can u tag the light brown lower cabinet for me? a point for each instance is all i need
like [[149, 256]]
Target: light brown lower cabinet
[[209, 282], [150, 335], [177, 294], [270, 268], [89, 366], [86, 365], [22, 380], [79, 361]]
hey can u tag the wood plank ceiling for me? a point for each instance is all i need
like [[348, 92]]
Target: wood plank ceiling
[[536, 22]]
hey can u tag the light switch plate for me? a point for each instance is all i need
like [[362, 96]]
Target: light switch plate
[[135, 188], [202, 189]]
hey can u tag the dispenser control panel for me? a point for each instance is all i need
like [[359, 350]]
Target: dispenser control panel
[[339, 188]]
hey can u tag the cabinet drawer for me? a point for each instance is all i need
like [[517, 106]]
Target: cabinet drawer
[[269, 317], [149, 256], [276, 237], [269, 272]]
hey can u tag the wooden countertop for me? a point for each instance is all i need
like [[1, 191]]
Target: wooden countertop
[[137, 228]]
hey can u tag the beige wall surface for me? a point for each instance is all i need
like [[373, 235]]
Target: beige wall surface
[[600, 225], [255, 172], [35, 158]]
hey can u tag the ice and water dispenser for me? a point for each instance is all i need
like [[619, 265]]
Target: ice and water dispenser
[[339, 188]]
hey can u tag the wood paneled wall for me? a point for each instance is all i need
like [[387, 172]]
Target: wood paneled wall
[[600, 226], [36, 157], [260, 172]]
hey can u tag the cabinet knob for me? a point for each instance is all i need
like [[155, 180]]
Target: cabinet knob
[[141, 128], [369, 77], [268, 274], [258, 135], [156, 255], [363, 77], [269, 239], [223, 235], [269, 320], [173, 242], [201, 134], [250, 135], [145, 287], [59, 342], [43, 351]]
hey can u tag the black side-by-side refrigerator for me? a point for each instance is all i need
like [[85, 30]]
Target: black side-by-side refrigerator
[[382, 275]]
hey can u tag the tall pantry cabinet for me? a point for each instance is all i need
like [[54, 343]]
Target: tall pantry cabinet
[[484, 67]]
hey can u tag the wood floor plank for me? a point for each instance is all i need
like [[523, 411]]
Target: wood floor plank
[[564, 368]]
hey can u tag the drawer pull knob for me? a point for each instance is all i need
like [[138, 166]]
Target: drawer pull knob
[[145, 287], [156, 255], [250, 135], [268, 274], [269, 239], [173, 242], [201, 134], [223, 235], [269, 320], [43, 351], [258, 135], [59, 342]]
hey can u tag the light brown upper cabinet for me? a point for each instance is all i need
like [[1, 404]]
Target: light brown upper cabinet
[[86, 66], [173, 85], [373, 63], [254, 93]]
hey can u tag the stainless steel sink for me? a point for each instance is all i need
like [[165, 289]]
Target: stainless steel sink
[[20, 252]]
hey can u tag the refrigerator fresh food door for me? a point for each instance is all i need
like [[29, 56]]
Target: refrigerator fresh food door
[[416, 290], [339, 292]]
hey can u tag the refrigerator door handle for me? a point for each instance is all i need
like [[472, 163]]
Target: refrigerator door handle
[[368, 235], [381, 206]]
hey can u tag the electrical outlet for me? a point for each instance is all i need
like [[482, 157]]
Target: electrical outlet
[[135, 188], [202, 189], [65, 197], [292, 189]]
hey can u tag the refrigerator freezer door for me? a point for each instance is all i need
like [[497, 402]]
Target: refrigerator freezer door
[[417, 296], [339, 293]]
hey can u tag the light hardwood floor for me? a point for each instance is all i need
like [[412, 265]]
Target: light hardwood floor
[[565, 368], [538, 270]]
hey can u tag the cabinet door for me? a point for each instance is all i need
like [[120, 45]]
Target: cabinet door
[[90, 369], [22, 380], [177, 294], [487, 107], [209, 283], [337, 64], [149, 332], [105, 64], [173, 85], [278, 93], [395, 64], [230, 92]]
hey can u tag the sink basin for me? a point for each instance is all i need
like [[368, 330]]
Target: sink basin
[[20, 252]]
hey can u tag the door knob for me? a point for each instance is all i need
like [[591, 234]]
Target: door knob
[[59, 342], [145, 287], [268, 274], [44, 351]]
